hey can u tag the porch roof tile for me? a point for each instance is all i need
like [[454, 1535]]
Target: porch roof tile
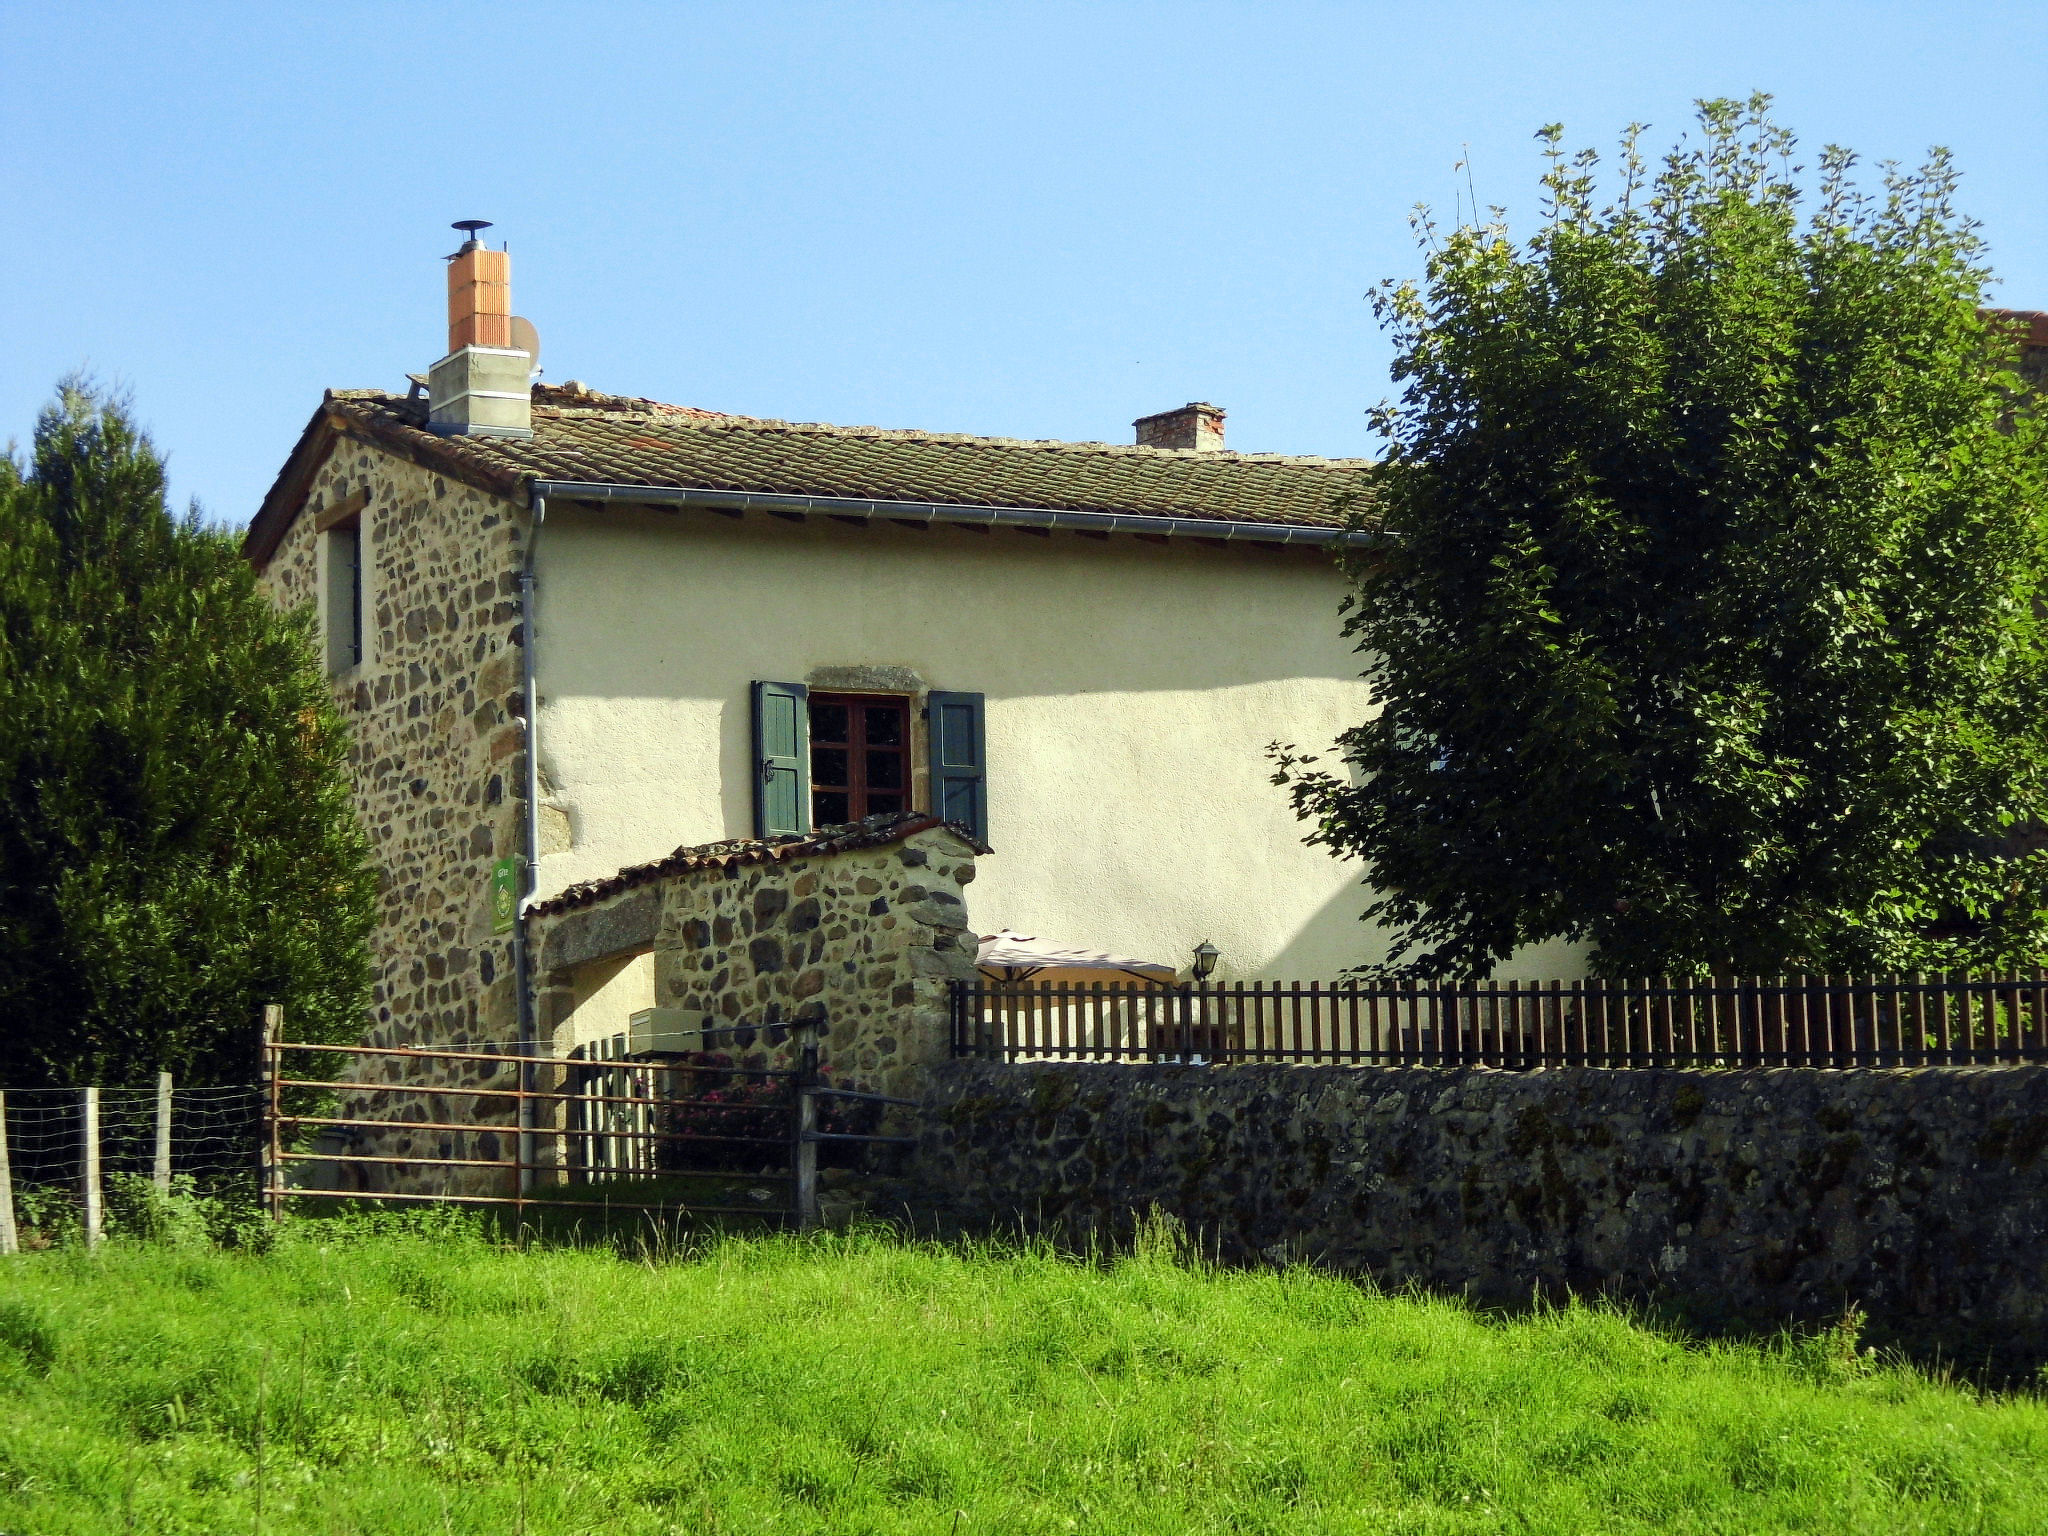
[[874, 832]]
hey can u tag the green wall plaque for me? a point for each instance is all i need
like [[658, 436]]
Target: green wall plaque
[[504, 895]]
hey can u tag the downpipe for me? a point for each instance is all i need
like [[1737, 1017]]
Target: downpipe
[[529, 689]]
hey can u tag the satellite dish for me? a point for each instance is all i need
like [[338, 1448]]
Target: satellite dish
[[526, 339]]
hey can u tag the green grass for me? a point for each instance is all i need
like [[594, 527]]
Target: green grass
[[354, 1380], [619, 1211]]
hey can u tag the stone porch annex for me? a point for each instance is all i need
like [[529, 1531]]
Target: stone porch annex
[[860, 928]]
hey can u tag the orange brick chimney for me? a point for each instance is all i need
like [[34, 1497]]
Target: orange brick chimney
[[484, 386], [479, 297]]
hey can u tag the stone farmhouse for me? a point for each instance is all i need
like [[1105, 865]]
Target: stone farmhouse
[[580, 634]]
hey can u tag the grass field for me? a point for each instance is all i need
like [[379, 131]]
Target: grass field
[[361, 1381]]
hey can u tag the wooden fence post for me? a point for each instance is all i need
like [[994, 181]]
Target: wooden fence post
[[89, 1149], [10, 1239], [160, 1174], [267, 1142], [804, 1150]]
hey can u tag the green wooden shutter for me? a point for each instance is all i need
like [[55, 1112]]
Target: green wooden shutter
[[959, 761], [782, 759]]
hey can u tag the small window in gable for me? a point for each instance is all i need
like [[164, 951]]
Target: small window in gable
[[342, 597], [860, 756]]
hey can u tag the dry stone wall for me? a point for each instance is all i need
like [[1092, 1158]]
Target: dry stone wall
[[1732, 1198]]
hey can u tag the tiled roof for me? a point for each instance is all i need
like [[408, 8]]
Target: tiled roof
[[874, 832], [583, 436]]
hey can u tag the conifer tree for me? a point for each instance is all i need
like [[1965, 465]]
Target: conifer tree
[[177, 842], [1708, 626]]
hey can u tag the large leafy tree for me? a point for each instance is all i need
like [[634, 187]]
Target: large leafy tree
[[1707, 627], [177, 845]]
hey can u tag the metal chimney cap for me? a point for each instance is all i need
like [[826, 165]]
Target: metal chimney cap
[[471, 226]]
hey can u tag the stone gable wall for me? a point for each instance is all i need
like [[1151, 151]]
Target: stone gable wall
[[437, 743], [1734, 1198]]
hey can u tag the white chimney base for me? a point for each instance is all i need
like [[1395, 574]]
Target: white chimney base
[[481, 392]]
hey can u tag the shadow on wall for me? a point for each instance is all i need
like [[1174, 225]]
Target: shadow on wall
[[1738, 1200], [1331, 942], [1044, 620], [1336, 940]]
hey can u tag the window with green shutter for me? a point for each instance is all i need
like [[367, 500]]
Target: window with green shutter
[[959, 760], [782, 777], [827, 758], [860, 756]]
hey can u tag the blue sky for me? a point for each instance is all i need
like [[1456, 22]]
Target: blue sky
[[1030, 220]]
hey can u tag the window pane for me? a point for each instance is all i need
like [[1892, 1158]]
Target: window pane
[[829, 722], [860, 763], [885, 726]]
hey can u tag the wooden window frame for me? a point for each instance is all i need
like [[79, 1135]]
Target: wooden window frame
[[857, 790]]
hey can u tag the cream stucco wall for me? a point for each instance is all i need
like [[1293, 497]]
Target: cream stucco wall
[[604, 997], [1131, 689]]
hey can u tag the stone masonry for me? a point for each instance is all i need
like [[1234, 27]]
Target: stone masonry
[[1731, 1198], [437, 744], [860, 927], [439, 777]]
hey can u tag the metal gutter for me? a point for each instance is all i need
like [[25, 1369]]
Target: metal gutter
[[949, 512]]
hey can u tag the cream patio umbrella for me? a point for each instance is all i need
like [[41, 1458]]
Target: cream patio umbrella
[[1011, 956]]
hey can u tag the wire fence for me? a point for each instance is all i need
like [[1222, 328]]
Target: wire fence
[[63, 1149]]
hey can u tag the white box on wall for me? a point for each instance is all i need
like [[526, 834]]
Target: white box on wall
[[664, 1031]]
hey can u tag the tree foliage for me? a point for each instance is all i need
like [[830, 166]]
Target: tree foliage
[[1706, 629], [177, 843]]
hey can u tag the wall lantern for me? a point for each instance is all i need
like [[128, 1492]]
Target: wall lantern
[[1205, 959]]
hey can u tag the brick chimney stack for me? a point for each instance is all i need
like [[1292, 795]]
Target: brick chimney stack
[[484, 386], [1197, 426], [479, 297]]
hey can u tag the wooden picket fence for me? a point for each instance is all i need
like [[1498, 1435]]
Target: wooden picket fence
[[1797, 1021]]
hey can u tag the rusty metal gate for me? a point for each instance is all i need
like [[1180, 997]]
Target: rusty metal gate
[[691, 1134]]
